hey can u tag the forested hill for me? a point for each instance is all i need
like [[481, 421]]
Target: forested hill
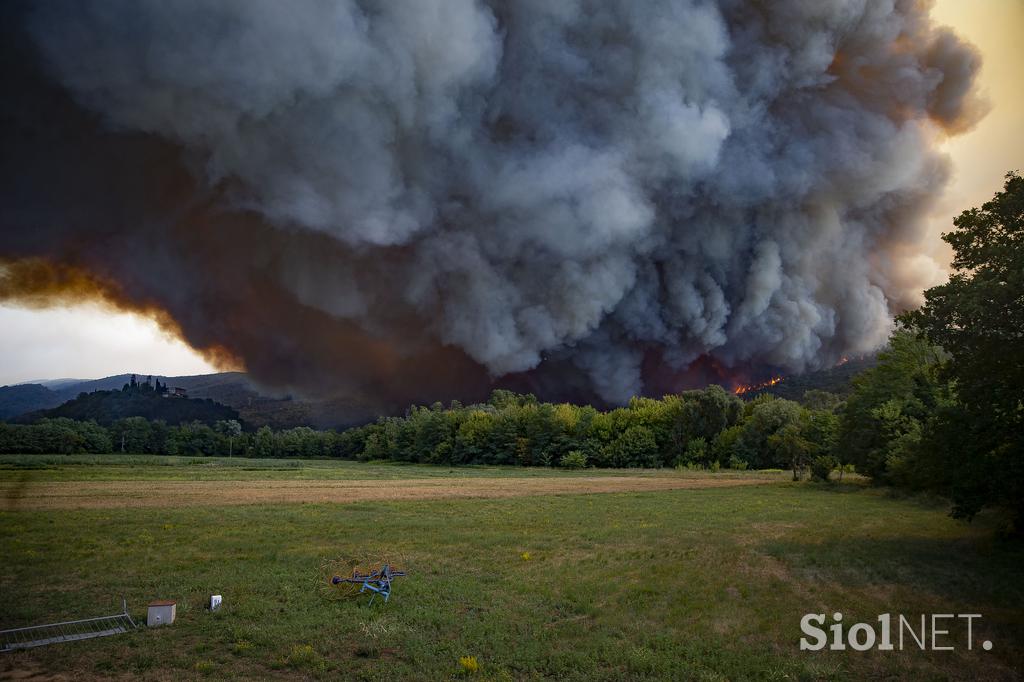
[[257, 405], [17, 400], [838, 380], [106, 407]]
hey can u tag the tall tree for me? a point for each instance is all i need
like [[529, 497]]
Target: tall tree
[[230, 429], [978, 318], [889, 402]]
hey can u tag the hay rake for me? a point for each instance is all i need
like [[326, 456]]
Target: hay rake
[[376, 581], [67, 631]]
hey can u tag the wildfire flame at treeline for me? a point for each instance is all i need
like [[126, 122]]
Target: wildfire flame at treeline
[[747, 388], [743, 389], [421, 200]]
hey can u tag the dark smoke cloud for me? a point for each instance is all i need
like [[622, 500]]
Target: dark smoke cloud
[[415, 199]]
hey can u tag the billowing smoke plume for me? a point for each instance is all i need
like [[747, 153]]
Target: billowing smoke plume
[[417, 198]]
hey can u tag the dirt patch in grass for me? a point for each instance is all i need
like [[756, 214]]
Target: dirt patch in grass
[[120, 494], [17, 670]]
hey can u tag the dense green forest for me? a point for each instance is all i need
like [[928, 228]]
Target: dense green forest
[[941, 408], [697, 428]]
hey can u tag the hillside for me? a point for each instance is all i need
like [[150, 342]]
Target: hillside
[[836, 380], [106, 407], [17, 400], [256, 405]]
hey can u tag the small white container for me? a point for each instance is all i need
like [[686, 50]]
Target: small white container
[[215, 600], [161, 612]]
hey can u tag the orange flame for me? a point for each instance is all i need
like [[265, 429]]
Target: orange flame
[[747, 388]]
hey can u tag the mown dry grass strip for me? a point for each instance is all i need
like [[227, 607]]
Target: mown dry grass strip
[[33, 496]]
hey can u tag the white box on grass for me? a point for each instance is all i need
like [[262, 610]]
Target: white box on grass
[[161, 612]]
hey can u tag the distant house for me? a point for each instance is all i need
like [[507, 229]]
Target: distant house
[[176, 392]]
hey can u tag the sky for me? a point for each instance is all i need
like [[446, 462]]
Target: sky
[[89, 341], [983, 156]]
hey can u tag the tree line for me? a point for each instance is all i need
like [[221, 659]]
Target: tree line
[[705, 428]]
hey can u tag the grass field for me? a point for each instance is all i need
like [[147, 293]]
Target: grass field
[[49, 468], [690, 582], [152, 481]]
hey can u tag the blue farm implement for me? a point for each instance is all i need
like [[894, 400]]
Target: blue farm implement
[[376, 581]]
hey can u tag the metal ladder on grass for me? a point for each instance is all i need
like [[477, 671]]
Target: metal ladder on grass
[[67, 631]]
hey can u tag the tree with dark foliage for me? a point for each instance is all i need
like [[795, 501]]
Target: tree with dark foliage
[[882, 421], [978, 318]]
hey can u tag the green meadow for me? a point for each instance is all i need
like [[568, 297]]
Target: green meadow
[[706, 584]]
